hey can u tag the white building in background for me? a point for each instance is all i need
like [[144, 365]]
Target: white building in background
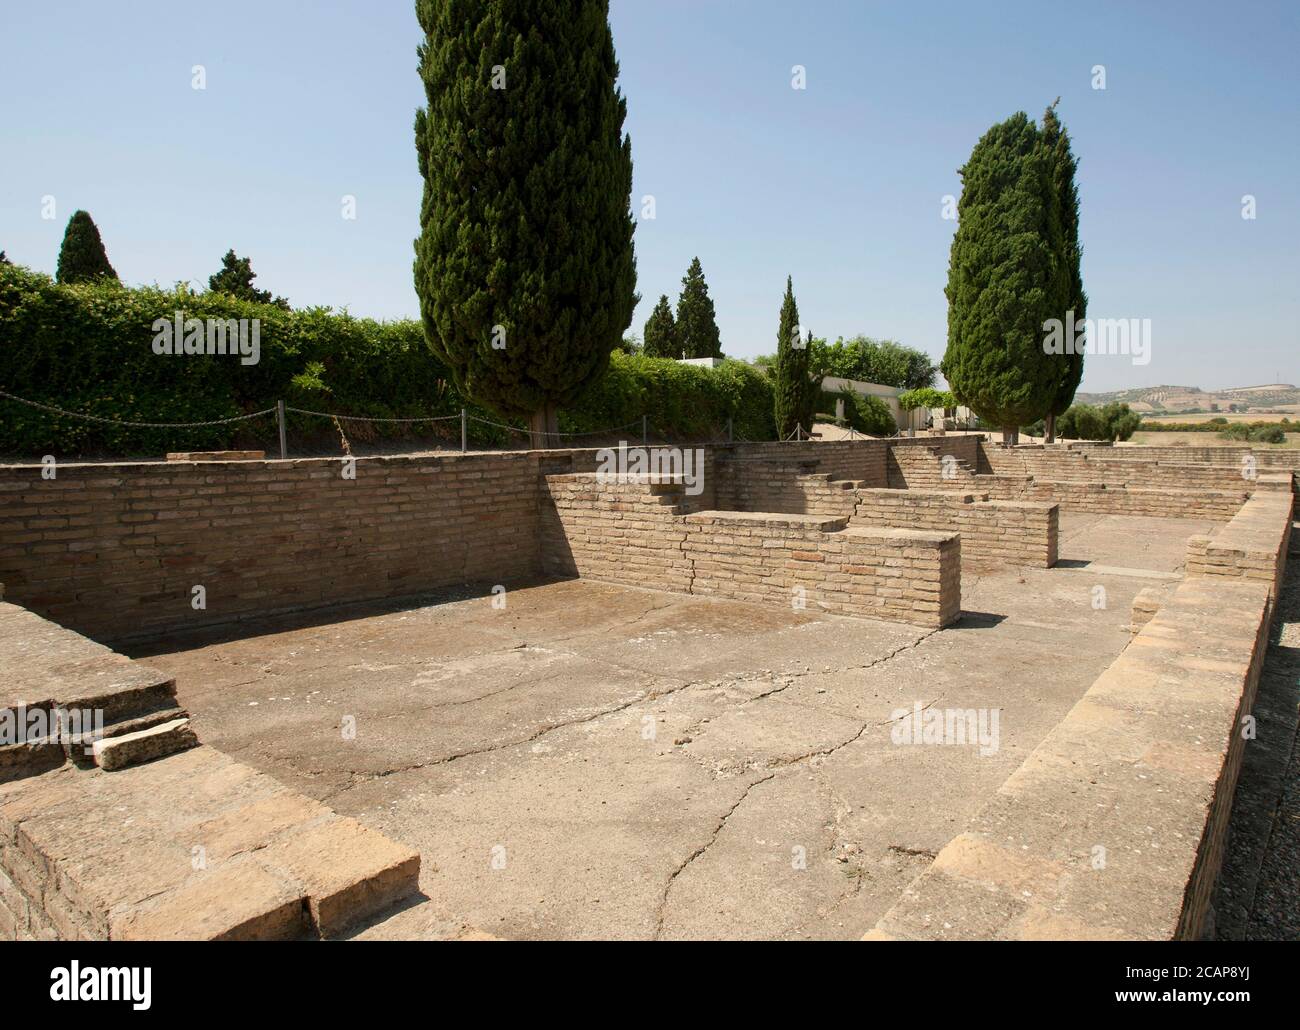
[[914, 418], [888, 394]]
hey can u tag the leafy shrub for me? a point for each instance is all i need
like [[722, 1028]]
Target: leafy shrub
[[866, 414], [886, 362], [88, 348], [1268, 434], [927, 397], [1112, 422], [1259, 433]]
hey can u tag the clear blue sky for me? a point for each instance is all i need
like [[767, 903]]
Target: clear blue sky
[[839, 185]]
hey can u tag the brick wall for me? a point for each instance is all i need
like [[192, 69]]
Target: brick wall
[[616, 532], [814, 560], [949, 466], [1266, 458], [1144, 766], [1120, 771], [791, 487], [1253, 545], [993, 533], [115, 550], [1107, 499], [863, 460], [646, 532], [1127, 466]]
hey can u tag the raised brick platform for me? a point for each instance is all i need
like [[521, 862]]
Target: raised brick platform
[[643, 532], [144, 834]]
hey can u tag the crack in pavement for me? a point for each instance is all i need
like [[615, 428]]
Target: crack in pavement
[[793, 677], [789, 763], [358, 777]]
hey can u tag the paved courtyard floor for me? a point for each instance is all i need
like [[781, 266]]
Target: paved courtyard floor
[[601, 761]]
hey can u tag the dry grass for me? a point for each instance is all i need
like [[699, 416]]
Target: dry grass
[[1205, 440]]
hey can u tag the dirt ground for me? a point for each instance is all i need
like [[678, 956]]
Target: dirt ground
[[594, 761]]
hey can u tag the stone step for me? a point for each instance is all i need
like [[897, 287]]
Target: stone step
[[79, 746], [29, 758], [195, 846], [156, 741]]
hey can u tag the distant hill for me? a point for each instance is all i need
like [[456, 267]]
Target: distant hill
[[1156, 400]]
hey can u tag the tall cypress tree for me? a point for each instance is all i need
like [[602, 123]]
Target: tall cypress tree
[[82, 257], [1056, 141], [697, 326], [1003, 280], [524, 266], [793, 393], [661, 332]]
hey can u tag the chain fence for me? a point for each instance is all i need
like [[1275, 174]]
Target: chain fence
[[475, 432]]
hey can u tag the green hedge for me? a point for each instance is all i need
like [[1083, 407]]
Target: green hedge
[[681, 401], [88, 348]]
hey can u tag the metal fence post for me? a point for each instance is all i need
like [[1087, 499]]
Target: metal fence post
[[464, 432], [279, 416], [645, 429]]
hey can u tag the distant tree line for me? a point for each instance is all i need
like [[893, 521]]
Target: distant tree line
[[84, 259]]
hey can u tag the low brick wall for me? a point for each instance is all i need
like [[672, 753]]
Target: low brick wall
[[793, 488], [1130, 467], [1107, 499], [645, 531], [116, 551], [1279, 459], [814, 560], [863, 460], [993, 533], [1253, 545], [1114, 827], [1122, 481], [949, 465], [627, 532]]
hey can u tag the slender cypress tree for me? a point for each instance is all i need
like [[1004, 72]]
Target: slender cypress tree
[[82, 257], [697, 326], [524, 266], [1003, 280], [1056, 141], [793, 392], [661, 332]]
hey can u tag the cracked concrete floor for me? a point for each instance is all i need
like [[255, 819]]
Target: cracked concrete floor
[[595, 761]]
